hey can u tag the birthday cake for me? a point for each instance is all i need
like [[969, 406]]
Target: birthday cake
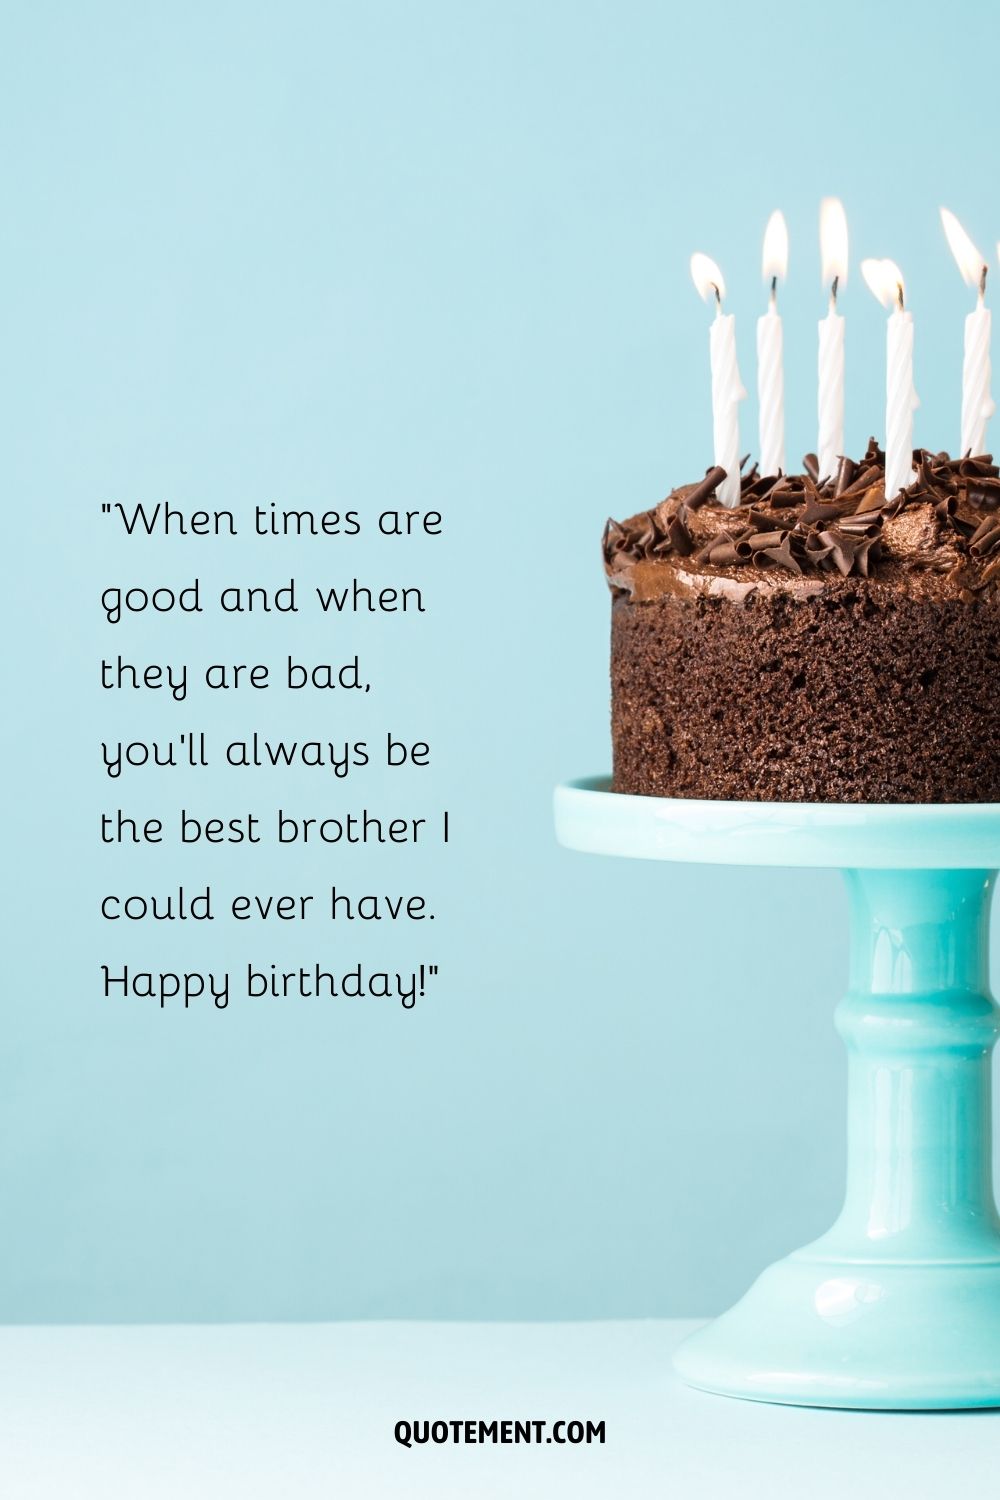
[[813, 643]]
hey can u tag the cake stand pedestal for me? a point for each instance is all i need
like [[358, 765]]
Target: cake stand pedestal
[[898, 1305]]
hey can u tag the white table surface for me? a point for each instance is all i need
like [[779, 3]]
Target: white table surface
[[307, 1410]]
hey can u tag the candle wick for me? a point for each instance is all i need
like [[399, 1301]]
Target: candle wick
[[899, 295], [718, 300], [833, 294], [982, 285], [774, 293]]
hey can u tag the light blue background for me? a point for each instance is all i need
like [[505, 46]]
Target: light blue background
[[356, 255]]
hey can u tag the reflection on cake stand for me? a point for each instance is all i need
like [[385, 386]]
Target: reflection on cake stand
[[898, 1305]]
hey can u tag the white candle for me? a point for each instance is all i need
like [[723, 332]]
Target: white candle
[[977, 403], [885, 280], [833, 245], [770, 352], [727, 387]]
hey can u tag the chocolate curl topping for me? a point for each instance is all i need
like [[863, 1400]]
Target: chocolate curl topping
[[985, 526], [784, 492], [817, 551], [781, 556], [706, 487], [678, 535], [871, 475], [842, 550], [701, 556], [846, 470], [984, 493], [818, 512], [766, 539], [986, 538], [862, 523], [614, 540], [793, 522], [723, 554], [754, 486]]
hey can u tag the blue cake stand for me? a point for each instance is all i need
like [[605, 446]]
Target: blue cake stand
[[898, 1305]]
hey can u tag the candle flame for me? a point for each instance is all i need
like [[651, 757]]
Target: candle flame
[[967, 257], [707, 277], [774, 264], [884, 280], [833, 241]]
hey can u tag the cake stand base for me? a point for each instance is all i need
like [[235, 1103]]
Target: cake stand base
[[838, 1332], [898, 1305]]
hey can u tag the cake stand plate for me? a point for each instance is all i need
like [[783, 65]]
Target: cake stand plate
[[898, 1305]]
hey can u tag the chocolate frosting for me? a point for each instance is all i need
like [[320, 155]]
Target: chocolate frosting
[[795, 534]]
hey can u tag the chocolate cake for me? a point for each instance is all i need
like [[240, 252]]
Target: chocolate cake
[[816, 643]]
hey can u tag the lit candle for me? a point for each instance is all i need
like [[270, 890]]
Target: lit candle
[[977, 403], [833, 246], [885, 280], [727, 387], [770, 355]]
